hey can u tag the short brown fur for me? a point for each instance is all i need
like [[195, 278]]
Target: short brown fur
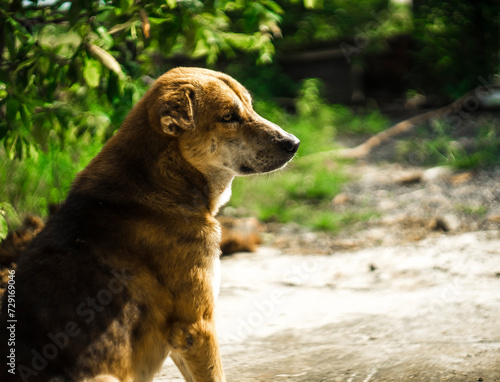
[[123, 274]]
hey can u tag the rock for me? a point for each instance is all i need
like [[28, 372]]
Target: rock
[[16, 242], [410, 178], [463, 177], [416, 101], [491, 100], [436, 174], [494, 218], [387, 205], [239, 235], [342, 198], [446, 223]]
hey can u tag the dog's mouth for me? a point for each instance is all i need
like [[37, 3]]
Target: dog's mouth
[[262, 168], [245, 170], [271, 158]]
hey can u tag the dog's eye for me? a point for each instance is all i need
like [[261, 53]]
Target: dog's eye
[[230, 117]]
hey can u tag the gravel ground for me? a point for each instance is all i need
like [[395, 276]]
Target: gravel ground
[[408, 204]]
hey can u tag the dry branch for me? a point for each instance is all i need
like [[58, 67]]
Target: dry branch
[[105, 58], [407, 125]]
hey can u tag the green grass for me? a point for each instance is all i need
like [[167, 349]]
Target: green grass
[[444, 146], [31, 183], [479, 211], [299, 193]]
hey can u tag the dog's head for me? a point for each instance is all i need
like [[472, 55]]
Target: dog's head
[[212, 117]]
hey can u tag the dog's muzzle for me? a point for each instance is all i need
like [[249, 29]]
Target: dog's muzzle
[[280, 153], [274, 147]]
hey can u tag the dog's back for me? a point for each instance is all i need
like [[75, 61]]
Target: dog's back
[[121, 275]]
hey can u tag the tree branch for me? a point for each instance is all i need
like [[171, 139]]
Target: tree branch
[[408, 125]]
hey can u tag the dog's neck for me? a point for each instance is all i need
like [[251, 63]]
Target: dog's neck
[[219, 186], [148, 170], [203, 188]]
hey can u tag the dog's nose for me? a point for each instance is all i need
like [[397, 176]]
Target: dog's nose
[[290, 145]]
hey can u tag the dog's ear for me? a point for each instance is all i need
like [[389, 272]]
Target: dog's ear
[[177, 111]]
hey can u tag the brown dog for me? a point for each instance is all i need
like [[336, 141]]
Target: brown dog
[[123, 274]]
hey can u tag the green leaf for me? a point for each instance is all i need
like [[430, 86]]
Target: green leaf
[[4, 228], [157, 21], [113, 90], [125, 5], [91, 73], [44, 64], [106, 38], [172, 4], [23, 110], [3, 130], [12, 108], [273, 6], [313, 4], [10, 39], [201, 49], [25, 63]]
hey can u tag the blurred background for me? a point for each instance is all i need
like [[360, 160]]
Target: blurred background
[[394, 194], [333, 72]]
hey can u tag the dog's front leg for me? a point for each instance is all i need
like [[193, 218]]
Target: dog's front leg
[[195, 351]]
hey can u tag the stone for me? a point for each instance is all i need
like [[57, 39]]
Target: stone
[[446, 223], [436, 174]]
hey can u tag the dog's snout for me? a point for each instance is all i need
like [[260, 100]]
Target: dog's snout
[[290, 144]]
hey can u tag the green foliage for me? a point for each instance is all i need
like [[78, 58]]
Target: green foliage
[[7, 214], [212, 28], [41, 178], [323, 23], [73, 64], [443, 148], [457, 42], [313, 109]]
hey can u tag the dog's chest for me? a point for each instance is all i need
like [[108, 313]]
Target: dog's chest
[[216, 277]]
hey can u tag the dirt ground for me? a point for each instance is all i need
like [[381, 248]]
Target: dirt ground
[[412, 294], [426, 311]]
